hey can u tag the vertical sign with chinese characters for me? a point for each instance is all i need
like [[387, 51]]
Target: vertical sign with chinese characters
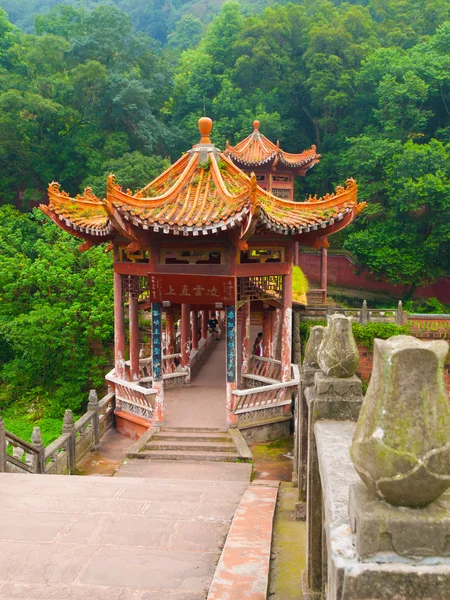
[[231, 343], [156, 341]]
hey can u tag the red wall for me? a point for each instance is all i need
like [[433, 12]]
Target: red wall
[[366, 361], [341, 274]]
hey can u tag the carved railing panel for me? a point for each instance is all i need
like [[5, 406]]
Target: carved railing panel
[[21, 456], [265, 367], [133, 397], [264, 396]]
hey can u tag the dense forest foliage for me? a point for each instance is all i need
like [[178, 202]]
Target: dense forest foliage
[[87, 87]]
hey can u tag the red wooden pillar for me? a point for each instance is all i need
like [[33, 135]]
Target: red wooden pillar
[[185, 338], [194, 330], [275, 318], [170, 334], [267, 332], [119, 328], [296, 254], [133, 313], [286, 328], [324, 270], [245, 338], [204, 324]]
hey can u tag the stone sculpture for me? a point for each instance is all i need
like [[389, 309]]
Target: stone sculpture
[[312, 346], [401, 447], [338, 353]]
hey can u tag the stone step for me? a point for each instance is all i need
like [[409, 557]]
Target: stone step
[[206, 430], [190, 455], [192, 436], [180, 445]]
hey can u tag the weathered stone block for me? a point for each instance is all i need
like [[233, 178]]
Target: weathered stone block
[[338, 353], [401, 447], [308, 376], [381, 527], [335, 398], [312, 347]]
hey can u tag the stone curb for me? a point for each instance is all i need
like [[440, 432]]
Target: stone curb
[[243, 569]]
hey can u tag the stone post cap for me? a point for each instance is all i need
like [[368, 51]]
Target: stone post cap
[[401, 447], [36, 436], [68, 422], [338, 353], [312, 346], [93, 397]]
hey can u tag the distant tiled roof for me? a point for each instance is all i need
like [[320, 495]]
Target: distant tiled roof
[[202, 193], [256, 150]]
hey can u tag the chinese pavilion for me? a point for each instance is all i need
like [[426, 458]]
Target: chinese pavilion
[[202, 237], [274, 168]]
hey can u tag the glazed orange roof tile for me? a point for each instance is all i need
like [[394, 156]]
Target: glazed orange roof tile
[[256, 150], [202, 193]]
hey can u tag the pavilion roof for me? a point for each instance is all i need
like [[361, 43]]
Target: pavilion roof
[[83, 214], [202, 193], [256, 150]]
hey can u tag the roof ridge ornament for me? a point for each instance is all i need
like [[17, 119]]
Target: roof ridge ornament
[[205, 125]]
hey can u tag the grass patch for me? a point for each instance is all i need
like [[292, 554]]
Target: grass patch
[[272, 449], [50, 428]]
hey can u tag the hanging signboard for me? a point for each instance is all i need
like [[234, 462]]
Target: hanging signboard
[[192, 289]]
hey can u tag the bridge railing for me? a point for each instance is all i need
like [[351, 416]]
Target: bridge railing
[[261, 367], [20, 456], [61, 456], [269, 395]]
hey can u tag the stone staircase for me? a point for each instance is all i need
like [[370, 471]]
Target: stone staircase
[[193, 444]]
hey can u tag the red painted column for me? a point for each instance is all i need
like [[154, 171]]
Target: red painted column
[[133, 313], [286, 328], [245, 338], [296, 254], [204, 324], [276, 320], [170, 334], [267, 332], [119, 328], [194, 330], [324, 270], [186, 337]]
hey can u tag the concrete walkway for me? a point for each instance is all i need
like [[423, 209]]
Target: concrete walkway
[[203, 402]]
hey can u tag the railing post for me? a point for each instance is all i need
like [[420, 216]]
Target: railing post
[[69, 428], [2, 447], [399, 314], [36, 440], [364, 314], [94, 408]]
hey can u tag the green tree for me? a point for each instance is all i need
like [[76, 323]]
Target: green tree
[[55, 306]]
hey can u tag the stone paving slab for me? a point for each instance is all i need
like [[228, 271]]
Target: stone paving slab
[[243, 569], [203, 403], [195, 471], [120, 538]]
